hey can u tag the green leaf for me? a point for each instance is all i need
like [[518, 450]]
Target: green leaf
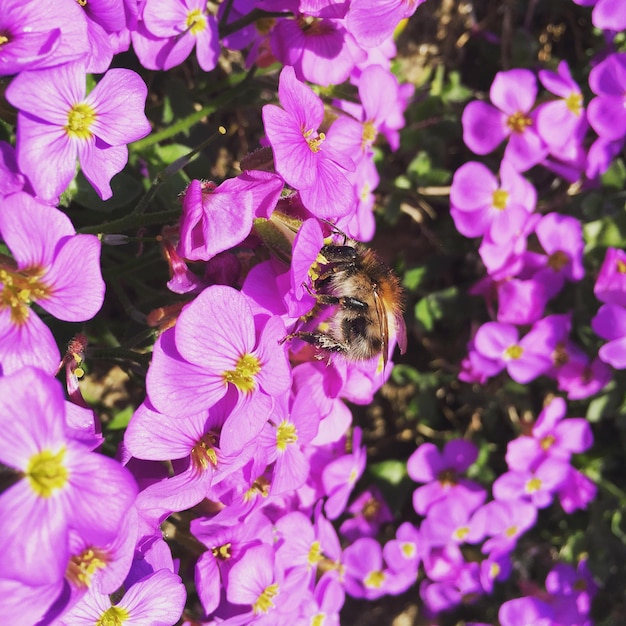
[[125, 188], [121, 418], [391, 471]]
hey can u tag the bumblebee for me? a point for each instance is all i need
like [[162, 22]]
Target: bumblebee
[[368, 301]]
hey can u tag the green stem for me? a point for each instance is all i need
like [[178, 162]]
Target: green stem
[[132, 221], [119, 354], [235, 86]]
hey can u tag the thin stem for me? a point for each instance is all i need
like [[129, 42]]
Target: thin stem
[[132, 221], [235, 86]]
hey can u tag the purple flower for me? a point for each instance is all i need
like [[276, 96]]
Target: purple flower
[[576, 492], [448, 521], [59, 120], [480, 204], [305, 158], [172, 29], [607, 112], [610, 323], [551, 436], [369, 512], [441, 471], [46, 253], [366, 575], [218, 347], [371, 23], [256, 581], [538, 483], [340, 476], [610, 286], [525, 612], [36, 36], [503, 521], [283, 440], [11, 180], [561, 237], [194, 439], [486, 126], [158, 599], [320, 50], [560, 120], [405, 552], [524, 359], [606, 14], [62, 485], [217, 218]]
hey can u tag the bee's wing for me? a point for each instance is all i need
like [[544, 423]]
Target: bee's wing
[[401, 332], [383, 324]]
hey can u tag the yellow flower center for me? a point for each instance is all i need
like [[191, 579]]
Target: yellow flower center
[[46, 472], [196, 22], [558, 260], [461, 533], [533, 485], [408, 549], [369, 134], [621, 267], [315, 554], [3, 39], [203, 453], [82, 3], [19, 288], [83, 566], [500, 199], [374, 579], [285, 435], [79, 121], [222, 552], [371, 509], [247, 367], [447, 478], [574, 103], [513, 352], [547, 442], [260, 487], [319, 619], [315, 143], [264, 602], [518, 122], [113, 616], [494, 570], [511, 531]]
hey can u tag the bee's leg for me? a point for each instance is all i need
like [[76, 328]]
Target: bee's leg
[[324, 341], [345, 302]]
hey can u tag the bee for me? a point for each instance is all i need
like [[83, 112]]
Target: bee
[[368, 301]]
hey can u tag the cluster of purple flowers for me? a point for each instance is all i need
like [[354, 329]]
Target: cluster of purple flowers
[[249, 430], [530, 257]]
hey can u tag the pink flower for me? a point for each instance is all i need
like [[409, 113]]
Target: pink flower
[[481, 204], [47, 253], [486, 126], [372, 23], [62, 485], [58, 120], [217, 218], [524, 359], [170, 31], [218, 347], [306, 159], [320, 50], [560, 120]]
